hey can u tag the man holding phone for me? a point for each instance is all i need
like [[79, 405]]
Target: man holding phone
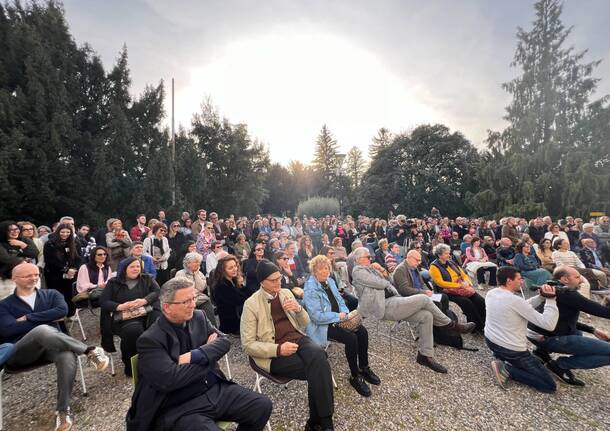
[[506, 330]]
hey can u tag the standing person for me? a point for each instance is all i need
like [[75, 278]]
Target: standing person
[[157, 247], [249, 266], [27, 320], [130, 304], [273, 334], [180, 385], [139, 230], [506, 331], [199, 224], [14, 249], [61, 263], [205, 239], [326, 311], [176, 240], [118, 242], [306, 251], [211, 261], [29, 231]]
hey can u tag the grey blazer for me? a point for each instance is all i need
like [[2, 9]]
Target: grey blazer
[[370, 287]]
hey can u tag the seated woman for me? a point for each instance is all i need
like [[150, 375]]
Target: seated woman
[[339, 275], [289, 281], [545, 255], [564, 256], [293, 260], [453, 281], [527, 262], [477, 262], [306, 251], [393, 258], [130, 304], [340, 252], [326, 309], [93, 276], [192, 272], [382, 252], [249, 266], [229, 293], [241, 247], [118, 242]]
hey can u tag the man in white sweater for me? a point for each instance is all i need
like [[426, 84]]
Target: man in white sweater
[[506, 330]]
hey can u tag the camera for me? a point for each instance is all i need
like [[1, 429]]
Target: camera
[[559, 288]]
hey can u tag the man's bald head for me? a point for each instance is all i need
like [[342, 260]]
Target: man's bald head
[[414, 258], [25, 275]]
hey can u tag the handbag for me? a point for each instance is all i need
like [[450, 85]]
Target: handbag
[[121, 316], [352, 322], [461, 291]]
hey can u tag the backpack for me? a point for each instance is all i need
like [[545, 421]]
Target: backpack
[[456, 341]]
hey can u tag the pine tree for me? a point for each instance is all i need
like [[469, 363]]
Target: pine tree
[[355, 166], [326, 162], [538, 158], [382, 140]]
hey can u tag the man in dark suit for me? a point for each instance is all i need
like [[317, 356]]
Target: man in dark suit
[[180, 385]]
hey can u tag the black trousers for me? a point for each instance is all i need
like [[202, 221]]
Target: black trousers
[[492, 275], [473, 307], [356, 346], [350, 301], [129, 331], [309, 363], [222, 402]]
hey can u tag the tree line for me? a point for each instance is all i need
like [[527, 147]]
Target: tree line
[[74, 140]]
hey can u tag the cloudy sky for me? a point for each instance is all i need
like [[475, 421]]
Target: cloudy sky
[[286, 67]]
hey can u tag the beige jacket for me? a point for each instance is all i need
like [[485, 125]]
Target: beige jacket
[[257, 329]]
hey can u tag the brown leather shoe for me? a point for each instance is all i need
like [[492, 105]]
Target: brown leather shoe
[[460, 328], [430, 362]]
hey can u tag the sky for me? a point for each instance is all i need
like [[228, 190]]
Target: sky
[[287, 67]]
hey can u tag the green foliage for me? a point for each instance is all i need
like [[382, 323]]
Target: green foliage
[[554, 155], [326, 162], [318, 207]]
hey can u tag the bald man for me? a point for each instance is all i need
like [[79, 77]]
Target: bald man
[[28, 320]]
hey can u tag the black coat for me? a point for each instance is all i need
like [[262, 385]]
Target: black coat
[[159, 373], [229, 302]]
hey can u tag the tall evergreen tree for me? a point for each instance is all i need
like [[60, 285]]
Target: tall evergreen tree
[[326, 162], [537, 162], [382, 140], [355, 166]]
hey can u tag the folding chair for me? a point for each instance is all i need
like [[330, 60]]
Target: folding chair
[[262, 374], [393, 329], [12, 371], [80, 305], [223, 425], [332, 375]]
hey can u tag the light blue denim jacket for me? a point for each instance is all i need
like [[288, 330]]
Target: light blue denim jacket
[[318, 307]]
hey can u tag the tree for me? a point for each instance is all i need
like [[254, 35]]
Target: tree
[[326, 162], [549, 158], [355, 166], [382, 140]]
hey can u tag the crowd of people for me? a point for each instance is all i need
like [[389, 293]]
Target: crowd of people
[[174, 292]]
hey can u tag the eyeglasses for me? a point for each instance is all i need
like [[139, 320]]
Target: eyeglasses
[[185, 302], [282, 258], [209, 228], [368, 257], [175, 225], [259, 249], [14, 229], [274, 280], [27, 228]]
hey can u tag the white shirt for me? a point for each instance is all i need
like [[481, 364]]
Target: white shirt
[[30, 299], [508, 315]]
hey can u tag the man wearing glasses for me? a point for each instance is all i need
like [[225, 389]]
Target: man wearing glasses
[[379, 299], [180, 386], [28, 319]]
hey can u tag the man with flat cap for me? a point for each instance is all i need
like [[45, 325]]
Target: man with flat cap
[[273, 334]]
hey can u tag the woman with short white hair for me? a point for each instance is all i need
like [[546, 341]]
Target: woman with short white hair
[[192, 272]]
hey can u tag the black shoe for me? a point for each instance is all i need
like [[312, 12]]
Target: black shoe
[[368, 375], [544, 356], [459, 328], [360, 385], [566, 376], [429, 362], [311, 426]]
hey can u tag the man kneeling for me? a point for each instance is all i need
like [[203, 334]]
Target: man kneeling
[[180, 385]]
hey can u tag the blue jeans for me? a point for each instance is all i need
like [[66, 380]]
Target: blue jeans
[[524, 367], [537, 276], [586, 352]]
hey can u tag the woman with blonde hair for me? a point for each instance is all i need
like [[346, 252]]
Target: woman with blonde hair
[[327, 311]]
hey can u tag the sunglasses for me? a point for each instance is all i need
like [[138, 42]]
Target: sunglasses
[[282, 258]]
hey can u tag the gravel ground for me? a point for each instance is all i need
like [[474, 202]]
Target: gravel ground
[[410, 396]]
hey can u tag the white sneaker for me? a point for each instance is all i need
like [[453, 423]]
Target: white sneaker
[[98, 359], [63, 422]]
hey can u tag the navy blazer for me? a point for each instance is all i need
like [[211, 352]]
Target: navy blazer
[[159, 373]]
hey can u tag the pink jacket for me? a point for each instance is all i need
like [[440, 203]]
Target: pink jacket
[[471, 258]]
